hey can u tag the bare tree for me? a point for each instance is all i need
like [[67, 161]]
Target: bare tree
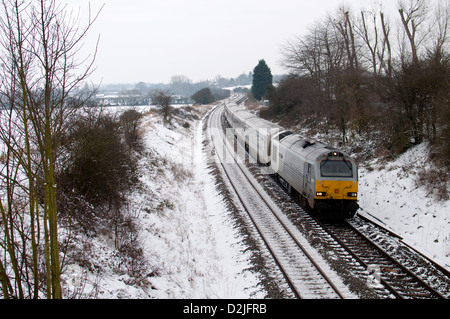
[[41, 71], [413, 16], [346, 28], [355, 66], [442, 20], [162, 100], [386, 44], [369, 31]]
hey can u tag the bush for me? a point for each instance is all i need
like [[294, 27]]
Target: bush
[[100, 164], [203, 96], [129, 121], [98, 170], [435, 181]]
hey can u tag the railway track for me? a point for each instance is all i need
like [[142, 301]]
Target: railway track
[[426, 278], [364, 257], [401, 281], [385, 265], [305, 271]]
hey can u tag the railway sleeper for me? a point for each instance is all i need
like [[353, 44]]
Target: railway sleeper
[[415, 293], [400, 277]]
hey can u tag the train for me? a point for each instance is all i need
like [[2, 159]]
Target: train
[[322, 178]]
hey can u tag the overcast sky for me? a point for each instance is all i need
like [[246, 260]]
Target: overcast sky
[[152, 40]]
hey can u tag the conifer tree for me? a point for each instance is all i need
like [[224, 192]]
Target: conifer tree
[[262, 76]]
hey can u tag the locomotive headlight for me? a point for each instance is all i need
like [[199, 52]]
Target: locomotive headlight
[[321, 194], [352, 194]]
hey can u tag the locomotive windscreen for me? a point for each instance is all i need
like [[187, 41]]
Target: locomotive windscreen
[[329, 168]]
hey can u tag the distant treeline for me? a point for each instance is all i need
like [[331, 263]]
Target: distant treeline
[[179, 85]]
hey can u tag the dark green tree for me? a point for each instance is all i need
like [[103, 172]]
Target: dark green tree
[[203, 96], [262, 77]]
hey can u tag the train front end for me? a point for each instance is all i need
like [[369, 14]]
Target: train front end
[[336, 187]]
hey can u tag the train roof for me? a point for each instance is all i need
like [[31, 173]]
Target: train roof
[[307, 147], [251, 119], [244, 115], [258, 122], [233, 106]]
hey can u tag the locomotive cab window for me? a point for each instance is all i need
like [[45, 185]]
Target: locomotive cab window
[[330, 168]]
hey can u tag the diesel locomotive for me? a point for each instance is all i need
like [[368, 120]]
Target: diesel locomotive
[[324, 179]]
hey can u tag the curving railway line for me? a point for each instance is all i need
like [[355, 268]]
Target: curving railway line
[[308, 271], [307, 275]]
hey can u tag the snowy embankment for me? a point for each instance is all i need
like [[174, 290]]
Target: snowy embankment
[[394, 195], [190, 244], [192, 238]]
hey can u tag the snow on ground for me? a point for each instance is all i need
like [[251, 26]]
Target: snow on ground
[[187, 233], [189, 240], [393, 194], [199, 251]]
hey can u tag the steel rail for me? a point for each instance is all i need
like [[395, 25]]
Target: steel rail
[[410, 273], [382, 254]]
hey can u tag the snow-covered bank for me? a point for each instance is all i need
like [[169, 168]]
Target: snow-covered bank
[[198, 252], [189, 241], [393, 194]]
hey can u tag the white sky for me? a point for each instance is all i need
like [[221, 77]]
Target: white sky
[[152, 40]]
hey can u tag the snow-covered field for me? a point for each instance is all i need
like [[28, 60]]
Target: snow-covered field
[[188, 236]]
